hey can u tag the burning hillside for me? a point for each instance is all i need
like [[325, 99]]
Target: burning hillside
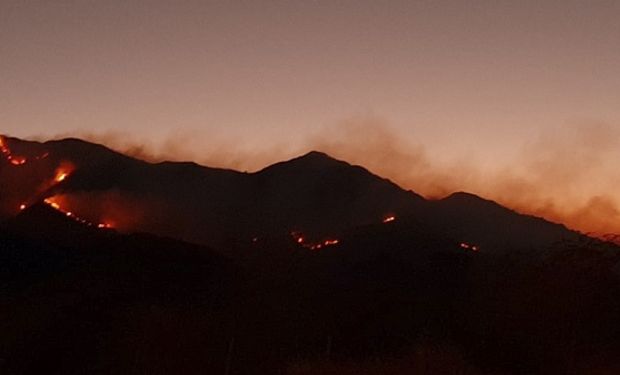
[[53, 202], [303, 241], [314, 194], [16, 160], [33, 182]]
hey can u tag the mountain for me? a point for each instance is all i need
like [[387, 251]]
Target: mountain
[[81, 299], [491, 225], [313, 194], [399, 284]]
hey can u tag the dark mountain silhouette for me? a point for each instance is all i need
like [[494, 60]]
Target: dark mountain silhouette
[[78, 299], [71, 294], [491, 225], [449, 286], [313, 194]]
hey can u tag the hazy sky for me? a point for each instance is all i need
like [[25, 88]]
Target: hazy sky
[[498, 85]]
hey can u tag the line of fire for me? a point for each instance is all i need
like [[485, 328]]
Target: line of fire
[[60, 175]]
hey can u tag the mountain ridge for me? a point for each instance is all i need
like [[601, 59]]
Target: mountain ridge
[[313, 193]]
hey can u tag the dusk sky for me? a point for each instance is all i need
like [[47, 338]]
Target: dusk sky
[[517, 101]]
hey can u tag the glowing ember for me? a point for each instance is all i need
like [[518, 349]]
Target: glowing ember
[[6, 151], [467, 246], [17, 160], [22, 207], [61, 176], [389, 219], [299, 239], [52, 204]]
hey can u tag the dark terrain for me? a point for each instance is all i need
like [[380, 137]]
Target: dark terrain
[[204, 272]]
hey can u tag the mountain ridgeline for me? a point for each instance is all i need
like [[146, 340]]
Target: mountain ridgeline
[[313, 194]]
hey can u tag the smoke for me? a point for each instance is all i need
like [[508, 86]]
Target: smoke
[[370, 142], [565, 174]]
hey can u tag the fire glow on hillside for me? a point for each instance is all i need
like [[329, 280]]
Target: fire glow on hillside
[[54, 203], [14, 159], [62, 172], [301, 240], [6, 151]]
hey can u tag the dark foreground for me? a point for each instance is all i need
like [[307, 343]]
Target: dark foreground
[[386, 300]]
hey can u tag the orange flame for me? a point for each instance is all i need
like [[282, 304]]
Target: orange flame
[[61, 174], [17, 160], [389, 219], [299, 239], [63, 171], [6, 151], [55, 205], [3, 147]]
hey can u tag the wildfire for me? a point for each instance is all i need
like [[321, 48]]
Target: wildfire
[[61, 177], [6, 151], [389, 219], [14, 159], [62, 173], [17, 160], [467, 246], [53, 204], [299, 238], [3, 147]]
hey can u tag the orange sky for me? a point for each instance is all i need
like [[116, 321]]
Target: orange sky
[[517, 101]]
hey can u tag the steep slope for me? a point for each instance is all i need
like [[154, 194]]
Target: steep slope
[[484, 222], [318, 194]]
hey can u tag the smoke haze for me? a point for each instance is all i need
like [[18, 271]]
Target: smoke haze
[[566, 174]]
